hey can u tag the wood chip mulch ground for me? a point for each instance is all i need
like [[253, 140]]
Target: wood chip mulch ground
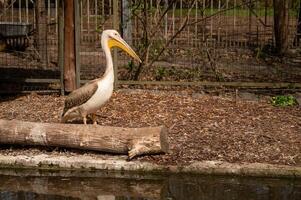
[[201, 127]]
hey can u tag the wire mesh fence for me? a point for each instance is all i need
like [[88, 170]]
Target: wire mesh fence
[[211, 40], [28, 37], [201, 40], [194, 40], [95, 15]]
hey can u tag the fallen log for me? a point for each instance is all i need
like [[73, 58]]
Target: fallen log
[[131, 141]]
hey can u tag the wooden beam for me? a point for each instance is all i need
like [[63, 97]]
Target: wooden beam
[[28, 80], [131, 141], [214, 84], [69, 44]]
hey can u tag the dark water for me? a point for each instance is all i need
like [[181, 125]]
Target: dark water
[[57, 185]]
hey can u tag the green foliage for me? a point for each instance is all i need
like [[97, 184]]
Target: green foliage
[[160, 73], [130, 66], [283, 101], [264, 51]]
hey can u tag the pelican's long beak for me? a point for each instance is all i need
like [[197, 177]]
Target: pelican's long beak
[[119, 42]]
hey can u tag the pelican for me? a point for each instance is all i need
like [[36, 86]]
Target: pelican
[[91, 96]]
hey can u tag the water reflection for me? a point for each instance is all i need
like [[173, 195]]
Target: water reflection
[[57, 185]]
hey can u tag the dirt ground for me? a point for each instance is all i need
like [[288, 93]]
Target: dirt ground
[[201, 126]]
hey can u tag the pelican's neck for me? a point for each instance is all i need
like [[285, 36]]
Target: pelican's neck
[[109, 61]]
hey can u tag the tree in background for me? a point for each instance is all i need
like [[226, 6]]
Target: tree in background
[[281, 23]]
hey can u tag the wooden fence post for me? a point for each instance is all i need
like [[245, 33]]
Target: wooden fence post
[[69, 51]]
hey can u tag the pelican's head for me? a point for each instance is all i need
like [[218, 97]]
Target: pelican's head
[[113, 39]]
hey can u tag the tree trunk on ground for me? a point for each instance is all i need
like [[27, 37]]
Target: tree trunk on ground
[[41, 32], [131, 141], [281, 22], [69, 50]]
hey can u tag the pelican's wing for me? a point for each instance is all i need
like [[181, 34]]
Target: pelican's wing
[[80, 96]]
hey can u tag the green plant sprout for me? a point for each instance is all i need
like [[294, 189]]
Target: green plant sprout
[[283, 100]]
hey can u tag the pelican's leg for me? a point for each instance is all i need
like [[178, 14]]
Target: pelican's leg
[[85, 120], [83, 113], [94, 118]]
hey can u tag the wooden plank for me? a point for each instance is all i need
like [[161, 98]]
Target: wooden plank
[[215, 84], [28, 92], [29, 80]]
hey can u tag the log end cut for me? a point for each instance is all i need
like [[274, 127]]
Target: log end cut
[[151, 140]]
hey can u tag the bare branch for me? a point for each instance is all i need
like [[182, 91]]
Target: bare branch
[[183, 25]]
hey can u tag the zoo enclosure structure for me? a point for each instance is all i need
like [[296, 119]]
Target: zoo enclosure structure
[[201, 42]]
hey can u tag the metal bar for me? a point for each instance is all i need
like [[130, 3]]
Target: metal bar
[[173, 20], [77, 43], [56, 16], [103, 11], [116, 27], [48, 13], [34, 17], [20, 11], [250, 21], [181, 9], [81, 18], [61, 44], [88, 16], [227, 39], [12, 11], [96, 14], [126, 22], [166, 20], [219, 24], [234, 17], [204, 24], [196, 25], [110, 5], [265, 19], [211, 21], [26, 10]]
